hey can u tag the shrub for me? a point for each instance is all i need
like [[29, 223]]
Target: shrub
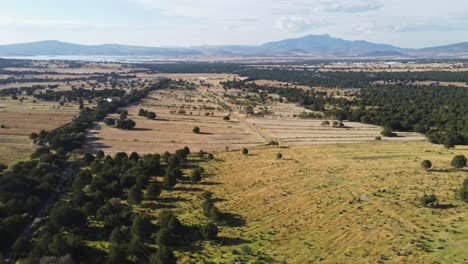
[[378, 138], [464, 191], [429, 200], [426, 164], [196, 175], [459, 162], [226, 118], [279, 156], [151, 115], [127, 124], [245, 151], [109, 121], [387, 132], [153, 191], [196, 130], [135, 195], [210, 156]]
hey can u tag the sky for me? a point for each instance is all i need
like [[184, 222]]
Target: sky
[[404, 23]]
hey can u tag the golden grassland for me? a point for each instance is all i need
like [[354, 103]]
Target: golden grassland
[[19, 119], [348, 203]]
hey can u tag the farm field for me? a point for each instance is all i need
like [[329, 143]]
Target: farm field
[[204, 105], [340, 203], [21, 119], [172, 129]]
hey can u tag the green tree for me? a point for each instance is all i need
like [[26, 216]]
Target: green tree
[[215, 214], [135, 195], [196, 175], [196, 130], [117, 254], [21, 247], [429, 200], [245, 151], [464, 191], [165, 256], [426, 164], [153, 191], [67, 217], [117, 237], [459, 162], [142, 227]]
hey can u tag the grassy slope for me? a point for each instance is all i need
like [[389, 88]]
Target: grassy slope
[[355, 203]]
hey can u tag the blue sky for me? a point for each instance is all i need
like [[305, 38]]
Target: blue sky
[[406, 23]]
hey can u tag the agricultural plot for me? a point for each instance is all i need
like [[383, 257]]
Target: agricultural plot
[[345, 203], [202, 102], [20, 119], [178, 111]]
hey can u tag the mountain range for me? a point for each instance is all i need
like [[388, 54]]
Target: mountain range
[[311, 46]]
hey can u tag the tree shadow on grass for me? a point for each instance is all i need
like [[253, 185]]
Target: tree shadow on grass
[[210, 183], [172, 199], [232, 241], [233, 220], [444, 206], [188, 189]]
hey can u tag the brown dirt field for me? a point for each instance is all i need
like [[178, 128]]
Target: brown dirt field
[[341, 203]]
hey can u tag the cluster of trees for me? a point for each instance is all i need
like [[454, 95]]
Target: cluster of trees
[[458, 162], [147, 114], [350, 79], [29, 185], [310, 99], [24, 189], [96, 196], [438, 112], [72, 135], [75, 94]]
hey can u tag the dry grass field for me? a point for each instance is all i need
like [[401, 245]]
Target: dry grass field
[[173, 130], [337, 203], [21, 119], [180, 110]]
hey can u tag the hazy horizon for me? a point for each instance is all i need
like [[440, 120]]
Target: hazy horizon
[[184, 23]]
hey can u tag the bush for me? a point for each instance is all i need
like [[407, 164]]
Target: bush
[[226, 118], [245, 151], [210, 156], [153, 191], [279, 156], [151, 115], [378, 138], [196, 130], [196, 175], [459, 162], [464, 191], [127, 124], [109, 121], [426, 164], [135, 195], [429, 200], [387, 132], [68, 217]]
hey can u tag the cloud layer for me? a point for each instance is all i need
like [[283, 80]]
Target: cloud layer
[[413, 23]]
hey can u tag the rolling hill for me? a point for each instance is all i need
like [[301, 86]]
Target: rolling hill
[[308, 46]]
